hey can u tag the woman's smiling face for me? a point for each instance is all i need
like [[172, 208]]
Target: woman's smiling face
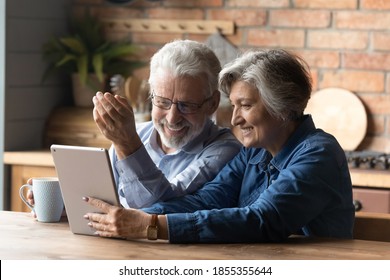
[[258, 128]]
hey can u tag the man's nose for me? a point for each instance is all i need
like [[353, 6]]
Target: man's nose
[[173, 114]]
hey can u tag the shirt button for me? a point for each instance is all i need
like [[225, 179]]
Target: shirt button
[[271, 167]]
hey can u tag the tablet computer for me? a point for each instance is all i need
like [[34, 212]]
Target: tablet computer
[[83, 171]]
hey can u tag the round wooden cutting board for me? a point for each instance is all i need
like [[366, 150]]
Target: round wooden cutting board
[[340, 113]]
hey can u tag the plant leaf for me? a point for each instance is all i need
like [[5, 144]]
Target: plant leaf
[[66, 59], [86, 50], [82, 66], [120, 50], [97, 63], [74, 44]]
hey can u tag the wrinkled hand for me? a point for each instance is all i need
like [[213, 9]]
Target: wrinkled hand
[[30, 197], [116, 221], [115, 119]]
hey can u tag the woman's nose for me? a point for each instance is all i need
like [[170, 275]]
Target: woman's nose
[[235, 118]]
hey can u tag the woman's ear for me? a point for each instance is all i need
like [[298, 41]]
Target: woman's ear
[[214, 102]]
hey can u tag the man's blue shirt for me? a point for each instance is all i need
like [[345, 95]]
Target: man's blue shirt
[[149, 175]]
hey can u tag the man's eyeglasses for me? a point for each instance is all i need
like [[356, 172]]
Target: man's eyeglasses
[[183, 107]]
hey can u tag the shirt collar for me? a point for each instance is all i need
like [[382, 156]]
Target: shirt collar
[[264, 157], [306, 127]]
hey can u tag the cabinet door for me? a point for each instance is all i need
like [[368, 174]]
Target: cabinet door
[[371, 200]]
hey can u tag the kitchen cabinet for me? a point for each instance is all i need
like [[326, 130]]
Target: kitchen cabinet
[[371, 192], [371, 200]]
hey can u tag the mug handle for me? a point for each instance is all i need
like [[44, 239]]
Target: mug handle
[[21, 194]]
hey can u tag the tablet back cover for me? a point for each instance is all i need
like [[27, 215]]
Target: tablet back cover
[[83, 171]]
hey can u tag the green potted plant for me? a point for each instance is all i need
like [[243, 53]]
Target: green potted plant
[[88, 57]]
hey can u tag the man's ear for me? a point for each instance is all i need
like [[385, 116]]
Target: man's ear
[[214, 102]]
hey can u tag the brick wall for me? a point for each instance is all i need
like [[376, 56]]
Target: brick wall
[[345, 42]]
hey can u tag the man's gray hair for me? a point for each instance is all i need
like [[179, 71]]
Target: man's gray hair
[[186, 58]]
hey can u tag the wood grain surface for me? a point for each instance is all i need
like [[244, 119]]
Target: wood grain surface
[[21, 237], [340, 113]]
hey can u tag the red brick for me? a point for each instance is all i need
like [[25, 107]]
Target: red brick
[[362, 20], [240, 17], [257, 3], [376, 124], [299, 18], [235, 39], [387, 84], [375, 4], [354, 40], [321, 59], [193, 3], [314, 77], [155, 38], [197, 37], [356, 81], [276, 38], [326, 4], [367, 61], [381, 41], [172, 13]]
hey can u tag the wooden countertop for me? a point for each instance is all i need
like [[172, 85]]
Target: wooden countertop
[[21, 237], [370, 178]]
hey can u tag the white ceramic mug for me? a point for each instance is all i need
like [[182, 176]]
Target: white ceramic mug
[[48, 203]]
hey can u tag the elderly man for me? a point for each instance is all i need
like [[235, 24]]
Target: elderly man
[[181, 148]]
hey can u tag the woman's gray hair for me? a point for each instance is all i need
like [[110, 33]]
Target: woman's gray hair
[[282, 79], [186, 58]]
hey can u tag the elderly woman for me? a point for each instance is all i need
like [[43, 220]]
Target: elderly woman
[[289, 178]]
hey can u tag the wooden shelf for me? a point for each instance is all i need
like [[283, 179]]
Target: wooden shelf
[[32, 158], [370, 178], [169, 26]]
